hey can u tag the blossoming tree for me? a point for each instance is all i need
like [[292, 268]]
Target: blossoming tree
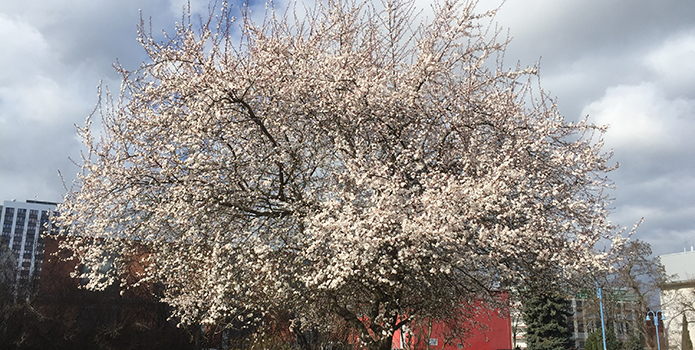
[[347, 162]]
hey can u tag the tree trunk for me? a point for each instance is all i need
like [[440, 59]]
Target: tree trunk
[[686, 343], [382, 344]]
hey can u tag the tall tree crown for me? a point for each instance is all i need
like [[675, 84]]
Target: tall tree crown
[[548, 326], [351, 162]]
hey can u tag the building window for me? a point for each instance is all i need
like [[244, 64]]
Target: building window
[[33, 216], [19, 223], [7, 225], [44, 222]]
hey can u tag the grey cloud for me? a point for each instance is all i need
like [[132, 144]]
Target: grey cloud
[[626, 63], [611, 59]]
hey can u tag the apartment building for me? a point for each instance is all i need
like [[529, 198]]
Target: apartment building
[[23, 224]]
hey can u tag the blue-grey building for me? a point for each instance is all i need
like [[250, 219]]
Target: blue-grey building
[[23, 224]]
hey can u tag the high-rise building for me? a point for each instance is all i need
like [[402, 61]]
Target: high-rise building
[[23, 224]]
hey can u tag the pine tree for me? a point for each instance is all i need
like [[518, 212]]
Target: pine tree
[[546, 318], [634, 342], [595, 340], [686, 343]]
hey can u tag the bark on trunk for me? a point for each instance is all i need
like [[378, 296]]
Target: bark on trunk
[[383, 344]]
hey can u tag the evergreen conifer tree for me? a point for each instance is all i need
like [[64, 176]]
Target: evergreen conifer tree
[[546, 318], [595, 340], [633, 342]]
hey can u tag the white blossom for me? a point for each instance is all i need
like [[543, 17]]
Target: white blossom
[[351, 163]]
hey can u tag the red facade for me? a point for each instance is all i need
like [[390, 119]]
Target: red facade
[[59, 297], [486, 329]]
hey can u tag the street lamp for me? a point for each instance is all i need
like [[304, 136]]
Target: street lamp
[[655, 315], [603, 323]]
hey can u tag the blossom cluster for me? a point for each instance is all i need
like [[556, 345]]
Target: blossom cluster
[[349, 163]]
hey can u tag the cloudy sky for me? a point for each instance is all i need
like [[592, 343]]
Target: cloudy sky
[[627, 63]]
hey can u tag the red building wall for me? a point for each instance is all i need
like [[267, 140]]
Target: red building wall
[[487, 329]]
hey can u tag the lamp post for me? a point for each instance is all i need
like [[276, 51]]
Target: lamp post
[[603, 323], [655, 315]]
